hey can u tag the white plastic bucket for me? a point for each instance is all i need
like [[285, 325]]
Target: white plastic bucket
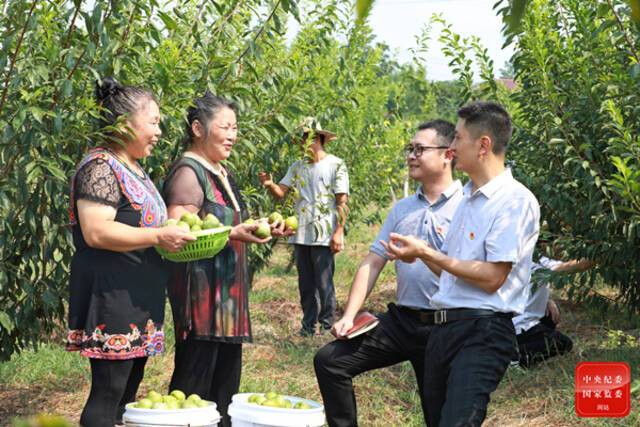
[[244, 414], [192, 417]]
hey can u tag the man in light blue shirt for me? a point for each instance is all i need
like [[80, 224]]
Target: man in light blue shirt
[[403, 330], [484, 267]]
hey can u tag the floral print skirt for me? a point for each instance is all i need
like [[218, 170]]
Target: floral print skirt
[[116, 304]]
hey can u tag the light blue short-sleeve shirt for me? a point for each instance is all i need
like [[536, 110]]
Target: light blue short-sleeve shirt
[[499, 222], [415, 216]]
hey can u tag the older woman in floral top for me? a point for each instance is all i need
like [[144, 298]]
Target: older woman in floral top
[[117, 283]]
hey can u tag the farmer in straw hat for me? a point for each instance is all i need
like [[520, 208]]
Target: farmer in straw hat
[[321, 184]]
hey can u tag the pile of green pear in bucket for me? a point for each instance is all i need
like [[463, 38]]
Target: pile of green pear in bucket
[[174, 400], [274, 400]]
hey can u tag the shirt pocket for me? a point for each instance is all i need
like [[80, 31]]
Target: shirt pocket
[[434, 229], [442, 224], [474, 233]]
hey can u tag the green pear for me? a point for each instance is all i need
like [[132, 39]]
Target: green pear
[[210, 221], [263, 231], [271, 395], [169, 399], [174, 404], [188, 404], [302, 405], [202, 404], [275, 217], [291, 223], [144, 404], [190, 218], [273, 403], [183, 225], [178, 394], [160, 405], [194, 398], [154, 396]]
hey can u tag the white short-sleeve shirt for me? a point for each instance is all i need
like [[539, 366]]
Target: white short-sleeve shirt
[[499, 222], [317, 184], [536, 307]]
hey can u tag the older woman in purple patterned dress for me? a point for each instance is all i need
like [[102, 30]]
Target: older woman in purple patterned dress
[[117, 284]]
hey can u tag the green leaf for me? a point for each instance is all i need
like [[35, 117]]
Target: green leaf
[[37, 113], [515, 14], [54, 170], [168, 21], [363, 9], [5, 322], [67, 88], [117, 64]]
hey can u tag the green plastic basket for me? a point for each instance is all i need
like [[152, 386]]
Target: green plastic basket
[[208, 244]]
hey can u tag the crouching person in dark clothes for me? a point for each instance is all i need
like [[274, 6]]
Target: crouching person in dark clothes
[[537, 335]]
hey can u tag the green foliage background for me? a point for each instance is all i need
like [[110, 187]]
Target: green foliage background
[[576, 111], [52, 53]]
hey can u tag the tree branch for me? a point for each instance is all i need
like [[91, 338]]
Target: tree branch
[[246, 50], [5, 91], [215, 33], [72, 26], [624, 31], [125, 35]]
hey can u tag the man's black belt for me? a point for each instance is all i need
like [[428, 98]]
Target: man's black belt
[[439, 317]]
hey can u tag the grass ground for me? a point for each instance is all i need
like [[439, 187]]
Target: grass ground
[[51, 380]]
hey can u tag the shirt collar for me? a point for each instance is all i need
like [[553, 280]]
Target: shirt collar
[[214, 169], [446, 194], [453, 189], [491, 187]]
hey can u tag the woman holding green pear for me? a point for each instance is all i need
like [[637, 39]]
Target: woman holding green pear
[[209, 298], [117, 282]]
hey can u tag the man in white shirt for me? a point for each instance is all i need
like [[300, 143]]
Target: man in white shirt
[[484, 267], [538, 338], [403, 330], [321, 182]]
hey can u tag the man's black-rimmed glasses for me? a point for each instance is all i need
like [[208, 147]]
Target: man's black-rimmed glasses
[[417, 150]]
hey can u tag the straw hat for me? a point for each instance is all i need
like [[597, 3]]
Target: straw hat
[[312, 125]]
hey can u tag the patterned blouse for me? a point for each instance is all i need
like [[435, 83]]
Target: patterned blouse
[[117, 299], [209, 298]]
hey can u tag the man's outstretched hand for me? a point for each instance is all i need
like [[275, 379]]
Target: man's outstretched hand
[[405, 248]]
